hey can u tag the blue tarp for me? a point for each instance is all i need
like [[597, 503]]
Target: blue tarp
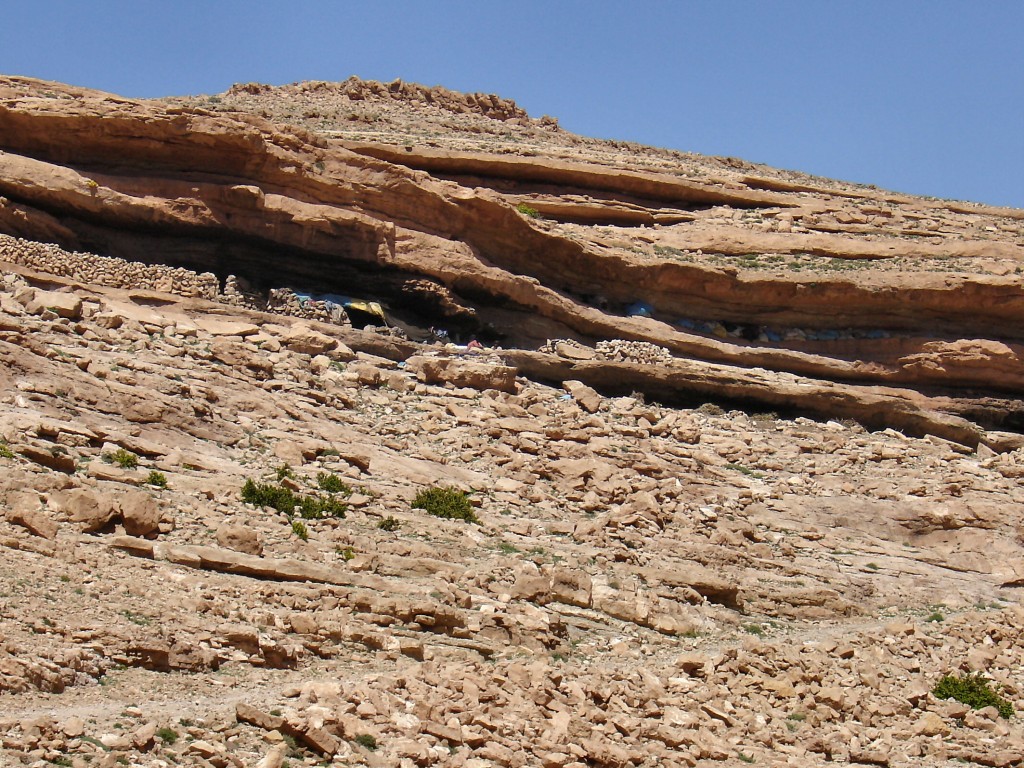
[[639, 309]]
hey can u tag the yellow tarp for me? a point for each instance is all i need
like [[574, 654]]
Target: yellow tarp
[[370, 307]]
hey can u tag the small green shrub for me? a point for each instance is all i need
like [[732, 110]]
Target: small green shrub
[[285, 500], [5, 451], [285, 471], [347, 553], [446, 502], [974, 691], [158, 479], [366, 740], [746, 471], [328, 481], [300, 530], [936, 616], [167, 735], [269, 495], [526, 210], [389, 524], [315, 508], [124, 459]]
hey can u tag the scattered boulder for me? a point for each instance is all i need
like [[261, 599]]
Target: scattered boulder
[[587, 397], [95, 511], [240, 538], [140, 513], [24, 509], [475, 374], [303, 339], [61, 303]]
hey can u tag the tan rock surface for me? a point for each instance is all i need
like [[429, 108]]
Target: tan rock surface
[[652, 581]]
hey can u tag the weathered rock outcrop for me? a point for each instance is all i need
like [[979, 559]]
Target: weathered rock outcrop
[[821, 281]]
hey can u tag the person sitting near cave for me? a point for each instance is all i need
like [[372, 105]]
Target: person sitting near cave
[[474, 344]]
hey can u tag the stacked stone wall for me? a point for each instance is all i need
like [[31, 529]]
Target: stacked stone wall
[[133, 275], [106, 270]]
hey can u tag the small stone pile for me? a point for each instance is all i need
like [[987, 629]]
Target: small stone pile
[[106, 270], [621, 350], [238, 293], [284, 301], [558, 346], [50, 670], [616, 350]]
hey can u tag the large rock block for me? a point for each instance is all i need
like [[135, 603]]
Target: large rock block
[[140, 513], [475, 374]]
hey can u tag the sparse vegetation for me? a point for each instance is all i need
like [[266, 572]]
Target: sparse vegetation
[[286, 501], [367, 741], [167, 735], [134, 618], [269, 495], [5, 451], [156, 479], [528, 211], [316, 508], [746, 471], [124, 459], [446, 502], [389, 524], [331, 483], [300, 530], [974, 691]]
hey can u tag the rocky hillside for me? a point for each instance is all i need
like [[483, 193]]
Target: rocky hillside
[[734, 476]]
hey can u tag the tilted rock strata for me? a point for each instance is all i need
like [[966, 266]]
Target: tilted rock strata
[[235, 194]]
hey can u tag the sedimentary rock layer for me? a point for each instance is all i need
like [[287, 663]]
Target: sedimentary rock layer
[[819, 280]]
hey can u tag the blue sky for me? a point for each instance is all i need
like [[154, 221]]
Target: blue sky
[[915, 96]]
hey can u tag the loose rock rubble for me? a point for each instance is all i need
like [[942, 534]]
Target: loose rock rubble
[[648, 585], [619, 350], [212, 553]]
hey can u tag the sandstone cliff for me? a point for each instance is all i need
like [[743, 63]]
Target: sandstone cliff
[[213, 549], [741, 266]]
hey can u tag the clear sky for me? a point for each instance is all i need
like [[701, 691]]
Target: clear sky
[[912, 95]]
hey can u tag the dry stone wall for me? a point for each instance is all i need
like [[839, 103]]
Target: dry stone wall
[[133, 275], [106, 270]]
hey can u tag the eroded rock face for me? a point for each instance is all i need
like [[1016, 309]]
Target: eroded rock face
[[790, 274], [648, 583]]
